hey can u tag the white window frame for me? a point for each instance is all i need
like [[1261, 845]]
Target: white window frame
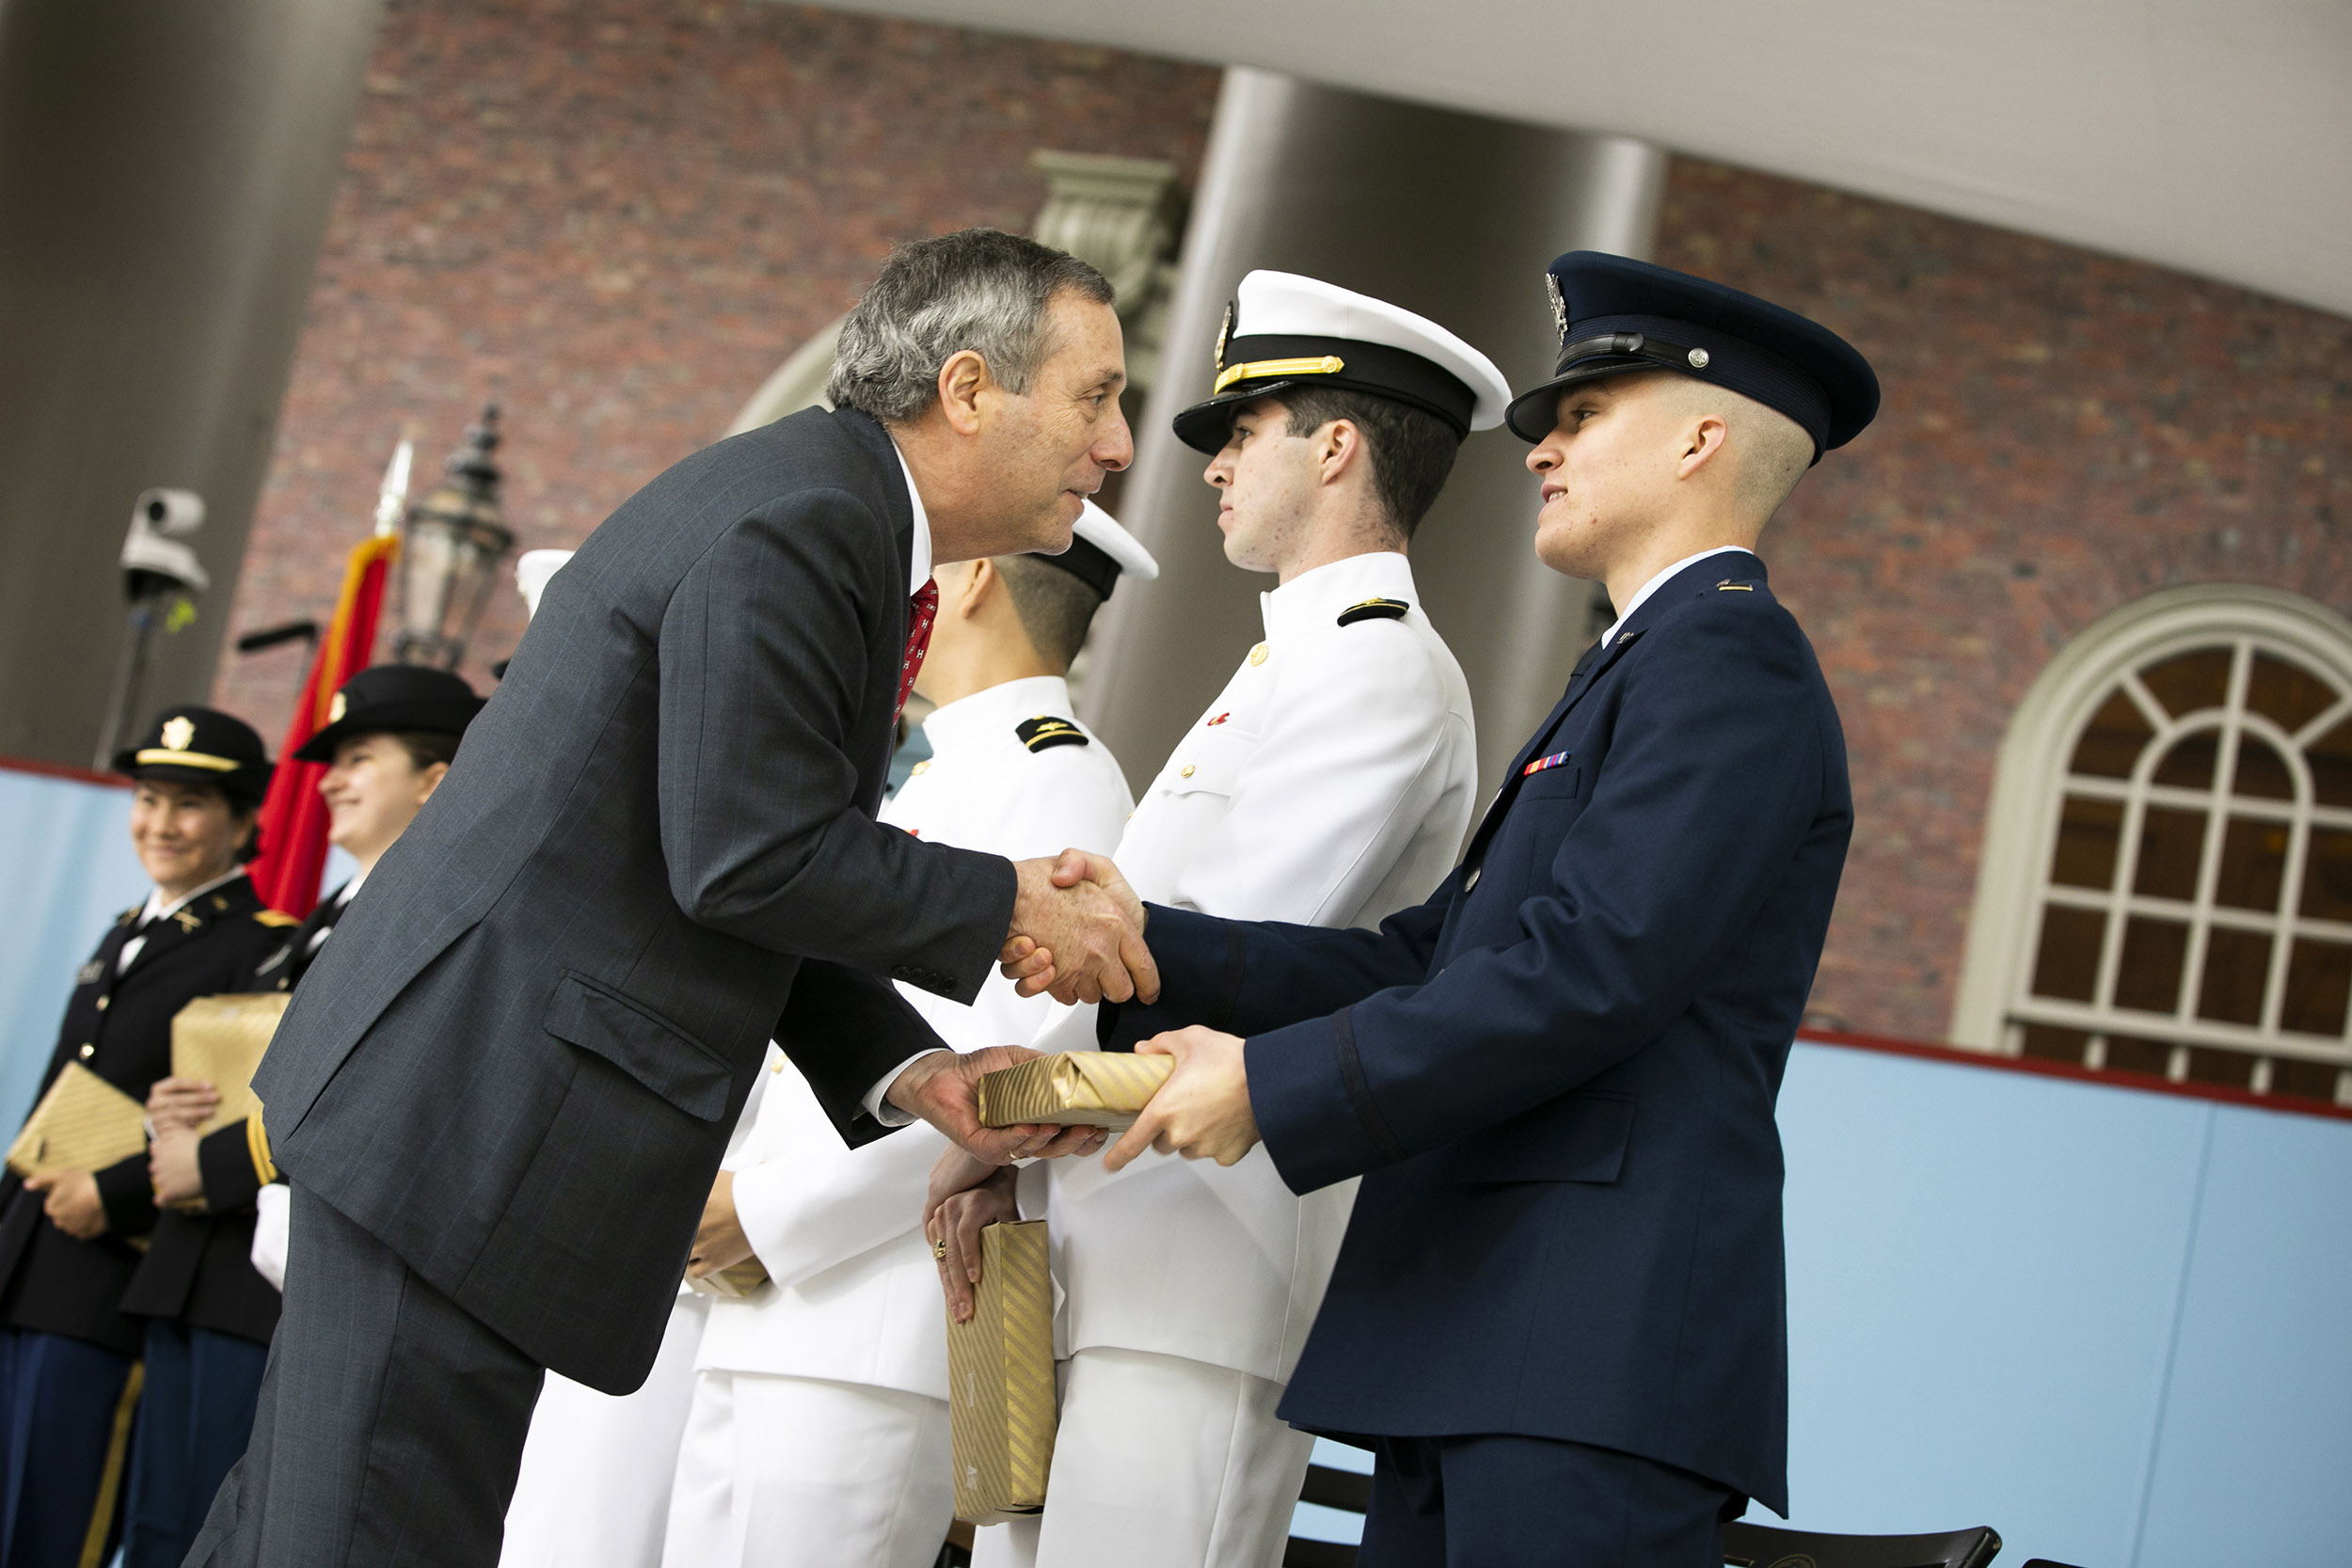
[[2030, 785]]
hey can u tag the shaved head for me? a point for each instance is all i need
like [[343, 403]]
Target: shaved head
[[1769, 451]]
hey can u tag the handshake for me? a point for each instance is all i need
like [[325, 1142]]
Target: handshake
[[1078, 932]]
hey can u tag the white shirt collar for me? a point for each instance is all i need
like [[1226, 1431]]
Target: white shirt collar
[[1655, 583], [920, 573], [155, 908], [991, 713], [1322, 593]]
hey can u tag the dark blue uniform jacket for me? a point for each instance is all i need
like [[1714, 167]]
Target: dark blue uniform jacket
[[1556, 1077]]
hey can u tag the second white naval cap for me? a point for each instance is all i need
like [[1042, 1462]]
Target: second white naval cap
[[1101, 550]]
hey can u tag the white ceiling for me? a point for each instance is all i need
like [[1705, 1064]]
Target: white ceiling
[[2211, 135]]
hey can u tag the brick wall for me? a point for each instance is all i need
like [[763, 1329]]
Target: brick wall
[[618, 217], [2062, 432]]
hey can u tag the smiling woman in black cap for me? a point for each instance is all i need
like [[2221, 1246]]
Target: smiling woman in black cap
[[393, 731], [67, 1354]]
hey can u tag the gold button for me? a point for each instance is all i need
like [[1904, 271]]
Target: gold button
[[1257, 654], [88, 1052], [1185, 771], [920, 768], [102, 1003], [777, 1065]]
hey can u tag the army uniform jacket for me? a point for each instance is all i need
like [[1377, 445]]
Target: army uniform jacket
[[1556, 1077], [855, 1294], [1329, 784], [118, 1025], [199, 1268]]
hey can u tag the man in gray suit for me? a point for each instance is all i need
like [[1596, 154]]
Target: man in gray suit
[[501, 1093]]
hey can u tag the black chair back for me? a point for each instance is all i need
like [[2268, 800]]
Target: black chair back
[[1747, 1545]]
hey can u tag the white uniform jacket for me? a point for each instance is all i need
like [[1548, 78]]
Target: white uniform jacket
[[853, 1295], [1328, 785]]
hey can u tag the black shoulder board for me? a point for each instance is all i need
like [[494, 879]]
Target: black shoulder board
[[1042, 733], [1374, 610]]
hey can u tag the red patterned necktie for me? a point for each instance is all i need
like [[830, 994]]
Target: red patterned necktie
[[922, 609]]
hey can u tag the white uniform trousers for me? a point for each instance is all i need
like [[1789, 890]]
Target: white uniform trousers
[[798, 1472], [1160, 1462], [594, 1487]]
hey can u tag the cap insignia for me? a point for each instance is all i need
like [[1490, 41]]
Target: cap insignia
[[1374, 610], [335, 709], [1224, 331], [1043, 732], [1559, 305], [177, 733]]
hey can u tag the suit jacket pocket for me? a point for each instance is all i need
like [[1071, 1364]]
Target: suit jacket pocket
[[642, 1043], [1578, 1138]]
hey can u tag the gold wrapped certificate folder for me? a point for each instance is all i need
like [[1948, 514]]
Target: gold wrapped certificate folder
[[1000, 1379], [220, 1040], [82, 1123], [1076, 1088]]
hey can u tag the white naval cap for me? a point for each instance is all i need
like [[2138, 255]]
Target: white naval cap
[[1284, 330], [532, 570], [1100, 551]]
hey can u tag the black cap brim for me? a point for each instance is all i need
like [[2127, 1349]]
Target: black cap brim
[[246, 784], [440, 718]]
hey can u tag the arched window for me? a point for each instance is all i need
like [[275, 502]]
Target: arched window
[[2168, 878]]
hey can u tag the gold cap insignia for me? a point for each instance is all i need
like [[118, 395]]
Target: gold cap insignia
[[335, 709], [1559, 307], [177, 733], [1224, 332]]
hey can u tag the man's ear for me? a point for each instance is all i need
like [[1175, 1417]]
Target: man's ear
[[1337, 445], [981, 578], [961, 381], [1702, 443], [433, 777]]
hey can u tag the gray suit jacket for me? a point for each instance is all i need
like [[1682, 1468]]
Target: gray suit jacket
[[519, 1061]]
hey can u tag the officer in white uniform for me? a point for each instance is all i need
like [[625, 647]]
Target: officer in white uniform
[[1329, 784], [819, 1433]]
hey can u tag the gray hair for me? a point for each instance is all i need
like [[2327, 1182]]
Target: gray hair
[[978, 289]]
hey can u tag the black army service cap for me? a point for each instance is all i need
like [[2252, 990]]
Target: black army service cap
[[1284, 330], [202, 745], [1615, 314], [392, 697]]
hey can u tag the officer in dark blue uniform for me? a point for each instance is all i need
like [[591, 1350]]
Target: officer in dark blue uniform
[[67, 1354], [1558, 1316], [392, 731]]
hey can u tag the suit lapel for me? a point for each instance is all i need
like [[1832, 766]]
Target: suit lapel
[[875, 443]]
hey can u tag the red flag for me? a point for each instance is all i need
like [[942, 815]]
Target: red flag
[[293, 818]]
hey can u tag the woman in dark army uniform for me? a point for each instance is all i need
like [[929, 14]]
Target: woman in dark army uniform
[[393, 732], [68, 1359]]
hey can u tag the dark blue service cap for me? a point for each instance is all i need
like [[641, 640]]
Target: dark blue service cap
[[1616, 314]]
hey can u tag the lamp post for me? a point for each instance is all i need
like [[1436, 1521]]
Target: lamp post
[[451, 545]]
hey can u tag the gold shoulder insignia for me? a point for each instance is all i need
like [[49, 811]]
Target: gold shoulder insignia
[[128, 915], [1374, 610], [1727, 586], [1044, 731], [275, 917]]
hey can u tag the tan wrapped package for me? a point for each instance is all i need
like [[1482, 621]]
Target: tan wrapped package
[[732, 1283], [220, 1040], [82, 1123], [1001, 1409], [1074, 1088]]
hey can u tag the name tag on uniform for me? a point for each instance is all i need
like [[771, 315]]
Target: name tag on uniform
[[1542, 762]]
